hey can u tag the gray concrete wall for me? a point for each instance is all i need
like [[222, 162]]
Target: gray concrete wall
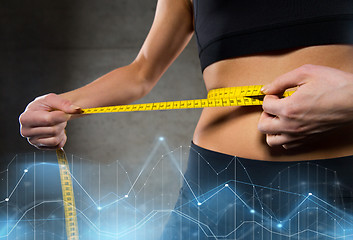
[[56, 46]]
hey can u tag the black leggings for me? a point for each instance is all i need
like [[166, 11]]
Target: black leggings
[[227, 197]]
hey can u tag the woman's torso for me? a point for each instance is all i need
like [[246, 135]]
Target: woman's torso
[[233, 130]]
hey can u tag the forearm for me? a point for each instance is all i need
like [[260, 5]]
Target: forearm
[[44, 120], [120, 86]]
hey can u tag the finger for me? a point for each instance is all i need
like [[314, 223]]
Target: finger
[[43, 132], [63, 141], [48, 143], [60, 145], [290, 79], [282, 139], [273, 104], [53, 101], [269, 124], [292, 145], [33, 119]]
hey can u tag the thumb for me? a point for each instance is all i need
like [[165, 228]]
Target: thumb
[[53, 101], [282, 83]]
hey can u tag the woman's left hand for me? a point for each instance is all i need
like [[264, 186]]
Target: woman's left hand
[[323, 101]]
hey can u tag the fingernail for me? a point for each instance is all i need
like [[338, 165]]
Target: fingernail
[[75, 107], [263, 89]]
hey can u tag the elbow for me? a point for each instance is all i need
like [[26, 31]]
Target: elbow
[[146, 79], [145, 86]]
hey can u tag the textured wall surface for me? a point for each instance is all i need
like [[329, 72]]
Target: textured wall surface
[[56, 46]]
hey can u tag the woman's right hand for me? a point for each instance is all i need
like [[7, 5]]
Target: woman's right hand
[[44, 120]]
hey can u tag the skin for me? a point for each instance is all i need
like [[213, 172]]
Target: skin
[[314, 123], [308, 125]]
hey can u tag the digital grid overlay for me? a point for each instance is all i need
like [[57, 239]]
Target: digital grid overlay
[[114, 201]]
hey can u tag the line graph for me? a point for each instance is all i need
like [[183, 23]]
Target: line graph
[[301, 201]]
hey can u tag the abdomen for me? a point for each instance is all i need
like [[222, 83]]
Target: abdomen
[[233, 130]]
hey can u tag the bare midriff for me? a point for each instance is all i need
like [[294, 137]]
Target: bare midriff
[[234, 131]]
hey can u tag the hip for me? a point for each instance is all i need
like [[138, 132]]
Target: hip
[[234, 131], [225, 195]]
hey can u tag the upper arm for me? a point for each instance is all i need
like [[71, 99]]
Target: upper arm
[[171, 30]]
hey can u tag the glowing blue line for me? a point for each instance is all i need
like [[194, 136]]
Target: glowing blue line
[[116, 201], [264, 187], [257, 196], [326, 209], [212, 195], [16, 185], [154, 213], [127, 175], [34, 206], [8, 165], [240, 198], [214, 170], [198, 223], [94, 202], [297, 207], [180, 171], [149, 158], [149, 175]]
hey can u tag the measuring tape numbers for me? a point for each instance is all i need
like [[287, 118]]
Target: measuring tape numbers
[[68, 196], [221, 97]]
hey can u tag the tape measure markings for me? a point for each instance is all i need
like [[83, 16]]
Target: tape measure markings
[[221, 97], [68, 196]]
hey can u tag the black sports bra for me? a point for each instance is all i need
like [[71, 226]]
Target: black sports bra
[[229, 28]]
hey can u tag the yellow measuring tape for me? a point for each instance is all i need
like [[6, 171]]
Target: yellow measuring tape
[[68, 196], [221, 97]]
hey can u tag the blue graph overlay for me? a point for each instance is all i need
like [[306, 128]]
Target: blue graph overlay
[[116, 201]]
